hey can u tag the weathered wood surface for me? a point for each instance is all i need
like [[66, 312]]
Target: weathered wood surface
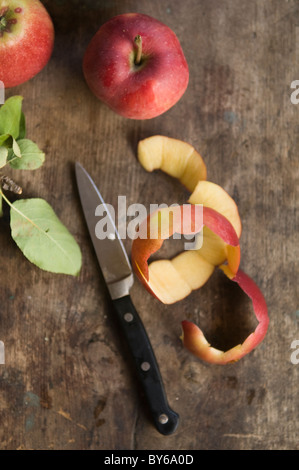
[[67, 383]]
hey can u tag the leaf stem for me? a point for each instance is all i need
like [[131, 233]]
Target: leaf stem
[[17, 210], [5, 198], [20, 213]]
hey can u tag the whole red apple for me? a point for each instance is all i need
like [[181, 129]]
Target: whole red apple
[[135, 64], [26, 40]]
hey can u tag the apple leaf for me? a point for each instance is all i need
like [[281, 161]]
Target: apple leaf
[[23, 154], [10, 117], [3, 156], [30, 156], [35, 228], [4, 138], [16, 149], [42, 238]]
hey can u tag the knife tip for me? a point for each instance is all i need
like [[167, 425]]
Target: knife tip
[[78, 168]]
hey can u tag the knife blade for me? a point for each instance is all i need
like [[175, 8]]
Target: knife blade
[[119, 278]]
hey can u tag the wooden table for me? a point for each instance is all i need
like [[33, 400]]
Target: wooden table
[[67, 382]]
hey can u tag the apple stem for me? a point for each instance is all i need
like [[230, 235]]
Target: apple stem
[[138, 42]]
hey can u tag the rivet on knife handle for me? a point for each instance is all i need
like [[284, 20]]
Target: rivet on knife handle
[[165, 419]]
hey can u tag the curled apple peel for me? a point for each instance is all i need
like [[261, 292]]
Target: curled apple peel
[[180, 160], [171, 281], [195, 341], [175, 157]]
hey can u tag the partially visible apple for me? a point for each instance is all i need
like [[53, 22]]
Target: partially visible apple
[[26, 40], [135, 64]]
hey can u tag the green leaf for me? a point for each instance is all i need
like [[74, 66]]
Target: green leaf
[[31, 157], [10, 116], [42, 238], [3, 156], [4, 138], [16, 149]]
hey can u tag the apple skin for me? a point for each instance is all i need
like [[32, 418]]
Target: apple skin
[[26, 42], [146, 245], [141, 91], [195, 341]]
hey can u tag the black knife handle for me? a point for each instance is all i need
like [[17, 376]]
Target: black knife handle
[[165, 419]]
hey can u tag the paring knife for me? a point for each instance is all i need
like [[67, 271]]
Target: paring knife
[[118, 275]]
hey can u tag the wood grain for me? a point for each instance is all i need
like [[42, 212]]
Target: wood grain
[[67, 383]]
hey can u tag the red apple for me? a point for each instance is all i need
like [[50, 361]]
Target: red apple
[[26, 40], [135, 64]]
